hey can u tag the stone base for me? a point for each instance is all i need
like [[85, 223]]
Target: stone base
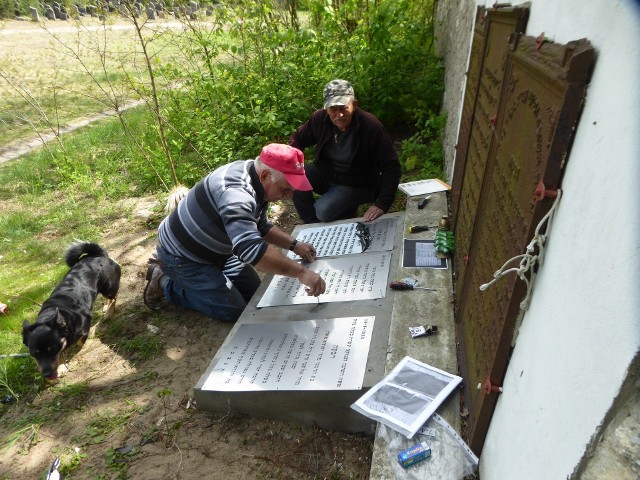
[[330, 409]]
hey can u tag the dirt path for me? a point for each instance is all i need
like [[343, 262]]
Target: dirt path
[[12, 27], [44, 29], [21, 147]]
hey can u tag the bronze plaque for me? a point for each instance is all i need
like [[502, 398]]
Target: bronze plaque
[[528, 142], [471, 160]]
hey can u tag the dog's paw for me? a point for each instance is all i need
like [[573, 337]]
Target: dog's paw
[[62, 370]]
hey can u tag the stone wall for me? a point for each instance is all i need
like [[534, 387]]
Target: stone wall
[[613, 452], [454, 27]]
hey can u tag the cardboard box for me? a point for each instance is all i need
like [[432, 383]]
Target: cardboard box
[[414, 454]]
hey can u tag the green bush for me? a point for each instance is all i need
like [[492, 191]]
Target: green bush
[[260, 78], [11, 8], [422, 153], [255, 75]]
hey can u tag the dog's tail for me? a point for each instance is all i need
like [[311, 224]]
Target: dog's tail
[[77, 250], [176, 194]]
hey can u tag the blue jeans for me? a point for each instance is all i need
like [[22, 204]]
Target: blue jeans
[[217, 291], [336, 202]]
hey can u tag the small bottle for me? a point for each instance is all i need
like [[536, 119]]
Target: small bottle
[[444, 240]]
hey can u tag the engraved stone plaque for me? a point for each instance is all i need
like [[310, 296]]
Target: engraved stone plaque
[[349, 277], [327, 354], [346, 238]]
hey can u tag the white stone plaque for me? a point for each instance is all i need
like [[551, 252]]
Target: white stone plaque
[[351, 277], [343, 238], [327, 354]]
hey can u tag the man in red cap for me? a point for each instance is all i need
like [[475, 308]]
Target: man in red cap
[[209, 245]]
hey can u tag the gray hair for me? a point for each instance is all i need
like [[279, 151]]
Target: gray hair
[[276, 175]]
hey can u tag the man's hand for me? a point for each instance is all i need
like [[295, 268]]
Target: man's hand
[[372, 213], [314, 282], [306, 251]]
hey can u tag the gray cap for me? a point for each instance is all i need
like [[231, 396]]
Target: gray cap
[[337, 92]]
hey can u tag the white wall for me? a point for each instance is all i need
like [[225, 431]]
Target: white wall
[[583, 326]]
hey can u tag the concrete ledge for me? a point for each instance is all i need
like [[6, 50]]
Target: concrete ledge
[[420, 307]]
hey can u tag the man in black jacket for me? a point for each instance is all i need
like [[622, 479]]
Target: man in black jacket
[[355, 161]]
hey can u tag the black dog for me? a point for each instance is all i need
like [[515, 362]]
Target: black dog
[[65, 317]]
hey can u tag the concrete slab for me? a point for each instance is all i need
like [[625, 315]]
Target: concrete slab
[[391, 341], [328, 409]]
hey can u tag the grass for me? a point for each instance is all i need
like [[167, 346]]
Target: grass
[[19, 378], [97, 432], [49, 199], [71, 460], [105, 424], [49, 77], [143, 347], [23, 433], [70, 397]]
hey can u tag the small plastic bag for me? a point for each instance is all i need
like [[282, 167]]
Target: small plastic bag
[[451, 458]]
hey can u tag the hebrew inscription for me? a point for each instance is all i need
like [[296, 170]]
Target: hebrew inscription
[[351, 277], [349, 238], [327, 354]]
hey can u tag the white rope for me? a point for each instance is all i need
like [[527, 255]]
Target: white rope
[[529, 259]]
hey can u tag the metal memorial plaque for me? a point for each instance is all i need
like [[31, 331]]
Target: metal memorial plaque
[[327, 354], [351, 277], [349, 238]]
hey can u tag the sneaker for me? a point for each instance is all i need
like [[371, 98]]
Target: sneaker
[[153, 292]]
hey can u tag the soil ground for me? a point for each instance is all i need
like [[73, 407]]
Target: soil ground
[[113, 416], [136, 419]]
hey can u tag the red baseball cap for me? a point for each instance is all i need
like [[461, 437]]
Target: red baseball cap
[[288, 160]]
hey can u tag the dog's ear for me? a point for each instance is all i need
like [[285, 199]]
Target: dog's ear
[[60, 321], [26, 330]]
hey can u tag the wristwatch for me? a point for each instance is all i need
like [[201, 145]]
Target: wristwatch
[[293, 245]]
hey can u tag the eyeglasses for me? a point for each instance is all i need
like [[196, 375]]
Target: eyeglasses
[[363, 233]]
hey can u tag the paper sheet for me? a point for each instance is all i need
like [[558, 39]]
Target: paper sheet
[[424, 187], [421, 253], [408, 396]]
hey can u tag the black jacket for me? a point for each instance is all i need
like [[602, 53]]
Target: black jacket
[[374, 166]]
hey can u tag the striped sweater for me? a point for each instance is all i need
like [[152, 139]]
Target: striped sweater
[[222, 215]]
